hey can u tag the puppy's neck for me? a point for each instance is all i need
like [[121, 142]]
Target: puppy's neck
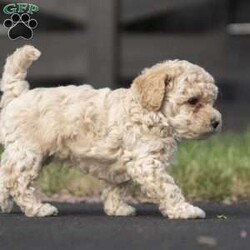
[[153, 121]]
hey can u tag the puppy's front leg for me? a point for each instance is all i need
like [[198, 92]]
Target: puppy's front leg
[[114, 204], [150, 174]]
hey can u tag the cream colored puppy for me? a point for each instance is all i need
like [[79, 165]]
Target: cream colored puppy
[[118, 136]]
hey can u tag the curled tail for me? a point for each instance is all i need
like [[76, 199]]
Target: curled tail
[[13, 81]]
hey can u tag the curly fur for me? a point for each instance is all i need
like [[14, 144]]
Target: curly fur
[[118, 136]]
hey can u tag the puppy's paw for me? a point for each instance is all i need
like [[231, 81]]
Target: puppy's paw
[[125, 210], [6, 206], [186, 211], [47, 210], [122, 210], [43, 211]]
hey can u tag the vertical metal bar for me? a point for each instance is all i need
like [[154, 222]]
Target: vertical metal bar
[[103, 58]]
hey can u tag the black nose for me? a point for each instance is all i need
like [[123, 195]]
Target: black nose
[[214, 123]]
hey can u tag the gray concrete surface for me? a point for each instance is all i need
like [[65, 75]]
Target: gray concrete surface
[[84, 226]]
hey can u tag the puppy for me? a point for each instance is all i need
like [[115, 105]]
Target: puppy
[[120, 136]]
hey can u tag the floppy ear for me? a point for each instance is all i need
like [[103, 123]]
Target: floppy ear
[[150, 89]]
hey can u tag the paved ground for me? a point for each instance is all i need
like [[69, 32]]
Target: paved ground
[[84, 226]]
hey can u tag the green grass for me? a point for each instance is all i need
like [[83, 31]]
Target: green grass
[[62, 180], [217, 169]]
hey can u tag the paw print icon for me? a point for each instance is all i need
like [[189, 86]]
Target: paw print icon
[[20, 26]]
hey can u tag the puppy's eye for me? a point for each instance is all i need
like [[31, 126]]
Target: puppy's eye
[[193, 100]]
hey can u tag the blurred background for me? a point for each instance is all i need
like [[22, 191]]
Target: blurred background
[[108, 42]]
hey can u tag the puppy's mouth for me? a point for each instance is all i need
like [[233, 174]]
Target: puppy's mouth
[[200, 136], [208, 134]]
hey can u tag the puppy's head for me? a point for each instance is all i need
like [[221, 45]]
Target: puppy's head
[[185, 93]]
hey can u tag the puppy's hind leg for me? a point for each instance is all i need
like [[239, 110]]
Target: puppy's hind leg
[[113, 198], [6, 202], [24, 166]]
